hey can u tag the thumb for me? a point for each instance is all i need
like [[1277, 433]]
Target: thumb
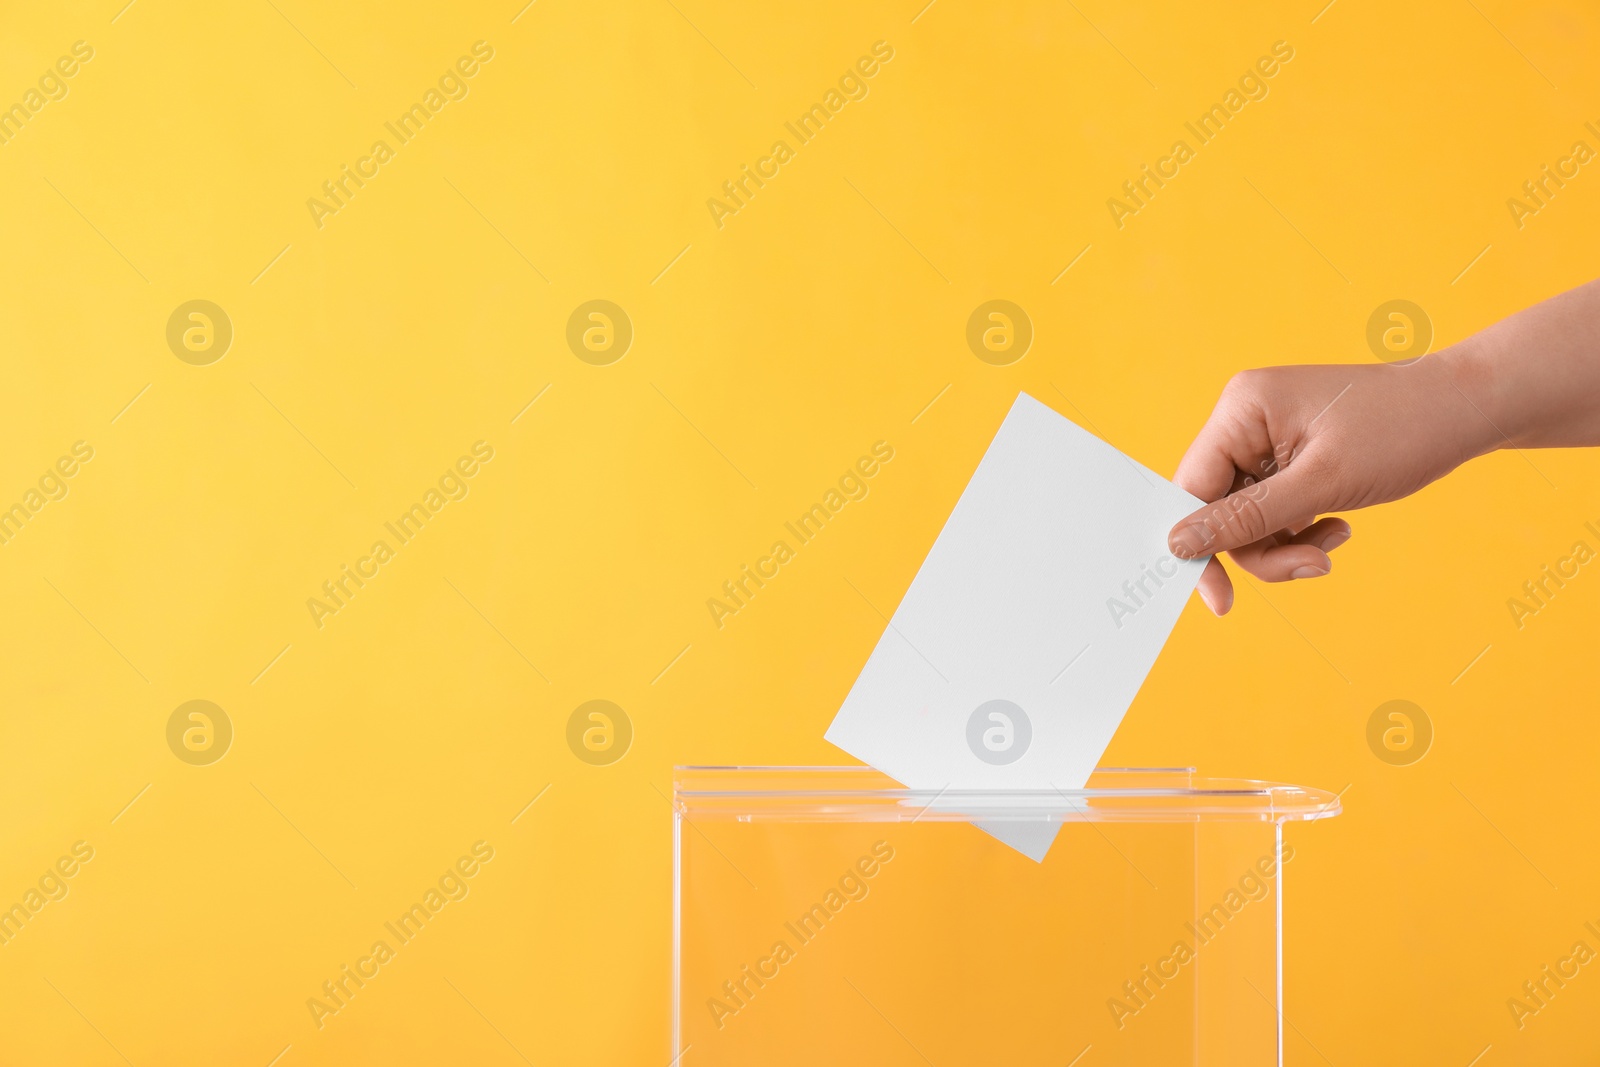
[[1285, 499]]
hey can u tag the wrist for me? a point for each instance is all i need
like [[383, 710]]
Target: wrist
[[1472, 384]]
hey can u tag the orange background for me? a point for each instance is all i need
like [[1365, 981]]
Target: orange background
[[829, 313]]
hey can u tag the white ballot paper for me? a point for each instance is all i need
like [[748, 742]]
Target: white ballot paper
[[1031, 624]]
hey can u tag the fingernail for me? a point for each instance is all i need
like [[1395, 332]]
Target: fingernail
[[1216, 610], [1334, 540], [1308, 572], [1186, 542]]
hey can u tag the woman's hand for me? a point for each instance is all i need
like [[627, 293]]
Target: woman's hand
[[1287, 444]]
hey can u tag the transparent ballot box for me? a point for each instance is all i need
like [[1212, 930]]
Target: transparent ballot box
[[827, 915]]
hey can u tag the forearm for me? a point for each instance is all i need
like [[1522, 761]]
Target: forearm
[[1535, 377]]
